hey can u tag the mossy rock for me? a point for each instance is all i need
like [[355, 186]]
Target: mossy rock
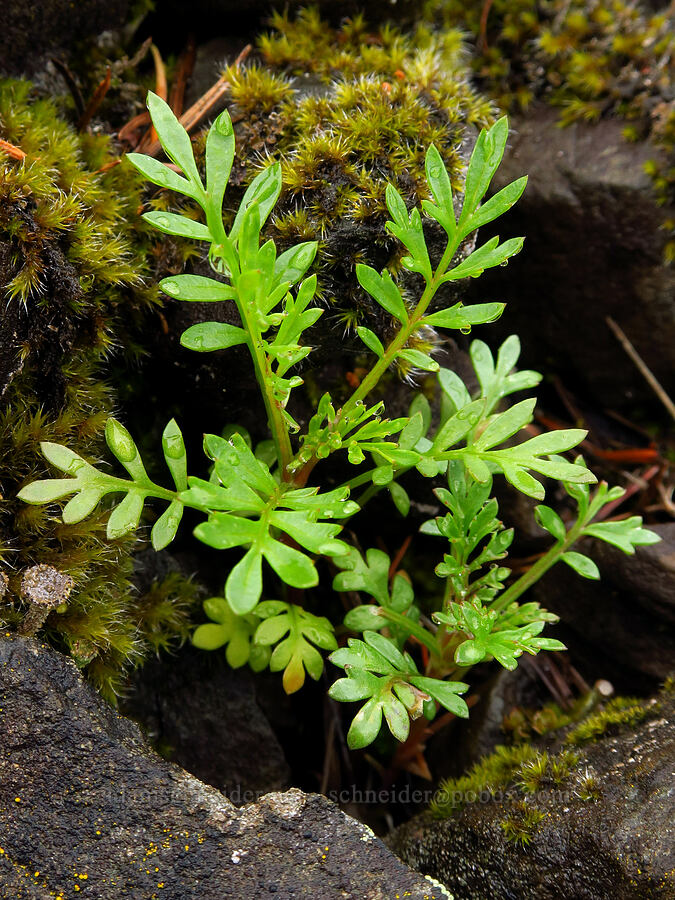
[[593, 820], [75, 277]]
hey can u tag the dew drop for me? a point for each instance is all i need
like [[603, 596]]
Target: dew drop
[[162, 221], [233, 459], [435, 172], [223, 125], [171, 287], [466, 330], [173, 447]]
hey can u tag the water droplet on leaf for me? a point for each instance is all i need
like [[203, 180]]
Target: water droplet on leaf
[[173, 447], [171, 287], [223, 125]]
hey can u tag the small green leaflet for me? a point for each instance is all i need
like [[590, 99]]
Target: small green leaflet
[[233, 632], [384, 290], [294, 631], [371, 340], [626, 534], [388, 680], [208, 336]]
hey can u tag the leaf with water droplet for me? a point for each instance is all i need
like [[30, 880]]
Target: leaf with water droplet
[[173, 137], [207, 336], [170, 223], [165, 528], [174, 454]]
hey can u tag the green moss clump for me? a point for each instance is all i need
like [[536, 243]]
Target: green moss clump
[[617, 713], [489, 775], [520, 825], [589, 58], [74, 268], [523, 769], [348, 110]]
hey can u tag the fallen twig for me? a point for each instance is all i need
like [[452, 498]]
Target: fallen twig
[[646, 372]]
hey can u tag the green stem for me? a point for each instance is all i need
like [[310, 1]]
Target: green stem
[[413, 628], [261, 363], [400, 340], [397, 344], [542, 565]]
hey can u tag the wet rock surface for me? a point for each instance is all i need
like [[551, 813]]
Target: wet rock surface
[[619, 843], [594, 248], [627, 618], [88, 809], [204, 716], [32, 31], [234, 15]]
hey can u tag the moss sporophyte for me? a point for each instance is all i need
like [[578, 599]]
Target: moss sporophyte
[[263, 500]]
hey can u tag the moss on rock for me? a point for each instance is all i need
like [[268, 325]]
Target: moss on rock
[[75, 270], [589, 58]]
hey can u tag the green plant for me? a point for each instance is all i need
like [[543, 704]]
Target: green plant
[[259, 498]]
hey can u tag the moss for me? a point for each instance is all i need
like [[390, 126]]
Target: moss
[[619, 712], [589, 58], [520, 825], [491, 774], [75, 268]]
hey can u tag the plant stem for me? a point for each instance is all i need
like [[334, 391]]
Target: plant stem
[[261, 363], [400, 340], [417, 631], [542, 565], [396, 345]]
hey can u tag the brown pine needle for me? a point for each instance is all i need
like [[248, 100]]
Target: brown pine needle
[[207, 101], [95, 101], [11, 150], [645, 371]]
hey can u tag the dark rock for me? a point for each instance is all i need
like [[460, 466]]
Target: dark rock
[[619, 845], [594, 248], [204, 716], [209, 17], [626, 618], [87, 808], [649, 575], [30, 31]]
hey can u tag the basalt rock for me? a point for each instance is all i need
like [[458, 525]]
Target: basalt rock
[[627, 618], [87, 808], [31, 31], [606, 830], [594, 248], [204, 716]]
